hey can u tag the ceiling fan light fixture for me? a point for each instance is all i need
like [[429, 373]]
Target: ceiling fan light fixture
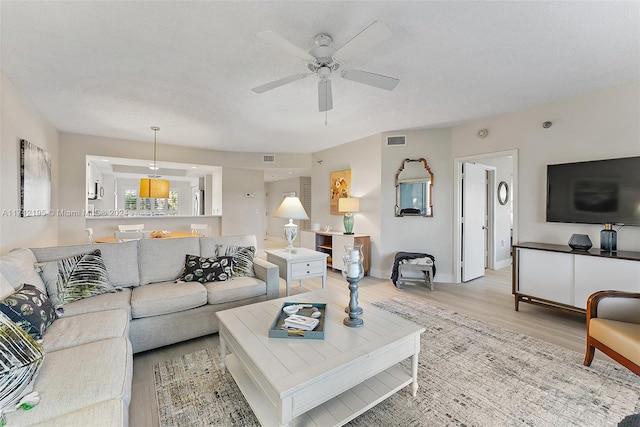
[[324, 59]]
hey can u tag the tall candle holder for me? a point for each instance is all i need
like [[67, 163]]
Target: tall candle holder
[[353, 271]]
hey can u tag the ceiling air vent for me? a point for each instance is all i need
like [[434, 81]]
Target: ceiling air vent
[[268, 158], [396, 141]]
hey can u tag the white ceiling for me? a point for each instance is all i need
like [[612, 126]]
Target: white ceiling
[[115, 68]]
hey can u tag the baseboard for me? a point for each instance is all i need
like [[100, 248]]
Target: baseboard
[[499, 265]]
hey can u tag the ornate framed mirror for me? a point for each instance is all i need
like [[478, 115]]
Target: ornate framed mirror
[[414, 185], [503, 193]]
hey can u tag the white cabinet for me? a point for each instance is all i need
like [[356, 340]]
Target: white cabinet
[[597, 274], [556, 276], [547, 275], [216, 192], [332, 243]]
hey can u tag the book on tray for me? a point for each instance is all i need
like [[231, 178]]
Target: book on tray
[[301, 322]]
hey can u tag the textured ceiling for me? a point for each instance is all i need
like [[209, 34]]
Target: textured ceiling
[[115, 68]]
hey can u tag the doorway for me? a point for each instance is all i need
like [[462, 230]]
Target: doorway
[[502, 229]]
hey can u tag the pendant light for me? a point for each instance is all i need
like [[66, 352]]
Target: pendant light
[[153, 187]]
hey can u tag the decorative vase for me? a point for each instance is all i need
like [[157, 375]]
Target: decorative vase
[[353, 271], [608, 239], [348, 223]]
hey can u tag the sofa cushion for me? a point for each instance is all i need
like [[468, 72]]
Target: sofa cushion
[[111, 301], [242, 260], [18, 267], [166, 297], [78, 377], [20, 360], [203, 270], [6, 288], [112, 412], [75, 278], [121, 259], [85, 328], [162, 260], [30, 309], [236, 289], [214, 246]]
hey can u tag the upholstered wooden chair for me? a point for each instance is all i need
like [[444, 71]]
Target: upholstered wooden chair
[[613, 327], [127, 236], [201, 230], [89, 232], [136, 228]]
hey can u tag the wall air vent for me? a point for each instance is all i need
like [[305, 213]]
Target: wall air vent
[[268, 158], [396, 140]]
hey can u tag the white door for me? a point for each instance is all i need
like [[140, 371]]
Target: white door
[[474, 195]]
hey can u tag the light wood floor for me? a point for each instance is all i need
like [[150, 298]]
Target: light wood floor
[[488, 299]]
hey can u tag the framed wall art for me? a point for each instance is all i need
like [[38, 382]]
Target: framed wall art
[[35, 180], [340, 187]]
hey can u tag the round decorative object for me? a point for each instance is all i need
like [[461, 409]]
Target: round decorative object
[[482, 133], [580, 242], [290, 310], [503, 193]]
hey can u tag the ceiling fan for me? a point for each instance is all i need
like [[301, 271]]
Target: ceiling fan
[[325, 60]]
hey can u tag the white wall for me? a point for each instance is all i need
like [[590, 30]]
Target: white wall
[[21, 120], [599, 125], [243, 215], [432, 235], [363, 158]]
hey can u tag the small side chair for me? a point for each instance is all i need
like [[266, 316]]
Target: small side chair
[[613, 327]]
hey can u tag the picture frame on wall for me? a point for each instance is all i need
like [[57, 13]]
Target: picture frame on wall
[[340, 187], [35, 180]]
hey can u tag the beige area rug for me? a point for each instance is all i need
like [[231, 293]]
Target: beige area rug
[[470, 374]]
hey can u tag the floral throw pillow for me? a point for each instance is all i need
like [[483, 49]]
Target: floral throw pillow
[[75, 278], [242, 260], [30, 309], [203, 269]]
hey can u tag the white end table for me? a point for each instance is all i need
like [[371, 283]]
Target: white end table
[[302, 264]]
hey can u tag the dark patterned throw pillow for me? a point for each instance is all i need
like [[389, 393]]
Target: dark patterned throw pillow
[[242, 260], [203, 269], [30, 309], [75, 278]]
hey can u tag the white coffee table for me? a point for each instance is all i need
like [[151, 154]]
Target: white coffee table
[[299, 265], [297, 382]]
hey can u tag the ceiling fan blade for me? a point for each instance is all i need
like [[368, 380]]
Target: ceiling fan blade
[[370, 36], [277, 83], [371, 79], [325, 100], [284, 44]]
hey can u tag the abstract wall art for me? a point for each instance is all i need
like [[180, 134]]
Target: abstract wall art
[[35, 180]]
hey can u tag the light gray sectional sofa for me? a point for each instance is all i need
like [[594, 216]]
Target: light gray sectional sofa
[[86, 375]]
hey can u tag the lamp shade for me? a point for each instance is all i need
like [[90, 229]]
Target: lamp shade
[[348, 204], [291, 208], [154, 188]]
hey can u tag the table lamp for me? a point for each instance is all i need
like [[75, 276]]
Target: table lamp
[[290, 208], [348, 205]]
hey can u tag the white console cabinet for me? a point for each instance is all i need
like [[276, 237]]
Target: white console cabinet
[[332, 243], [557, 276]]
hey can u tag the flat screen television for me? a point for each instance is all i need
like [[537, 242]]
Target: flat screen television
[[594, 192]]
